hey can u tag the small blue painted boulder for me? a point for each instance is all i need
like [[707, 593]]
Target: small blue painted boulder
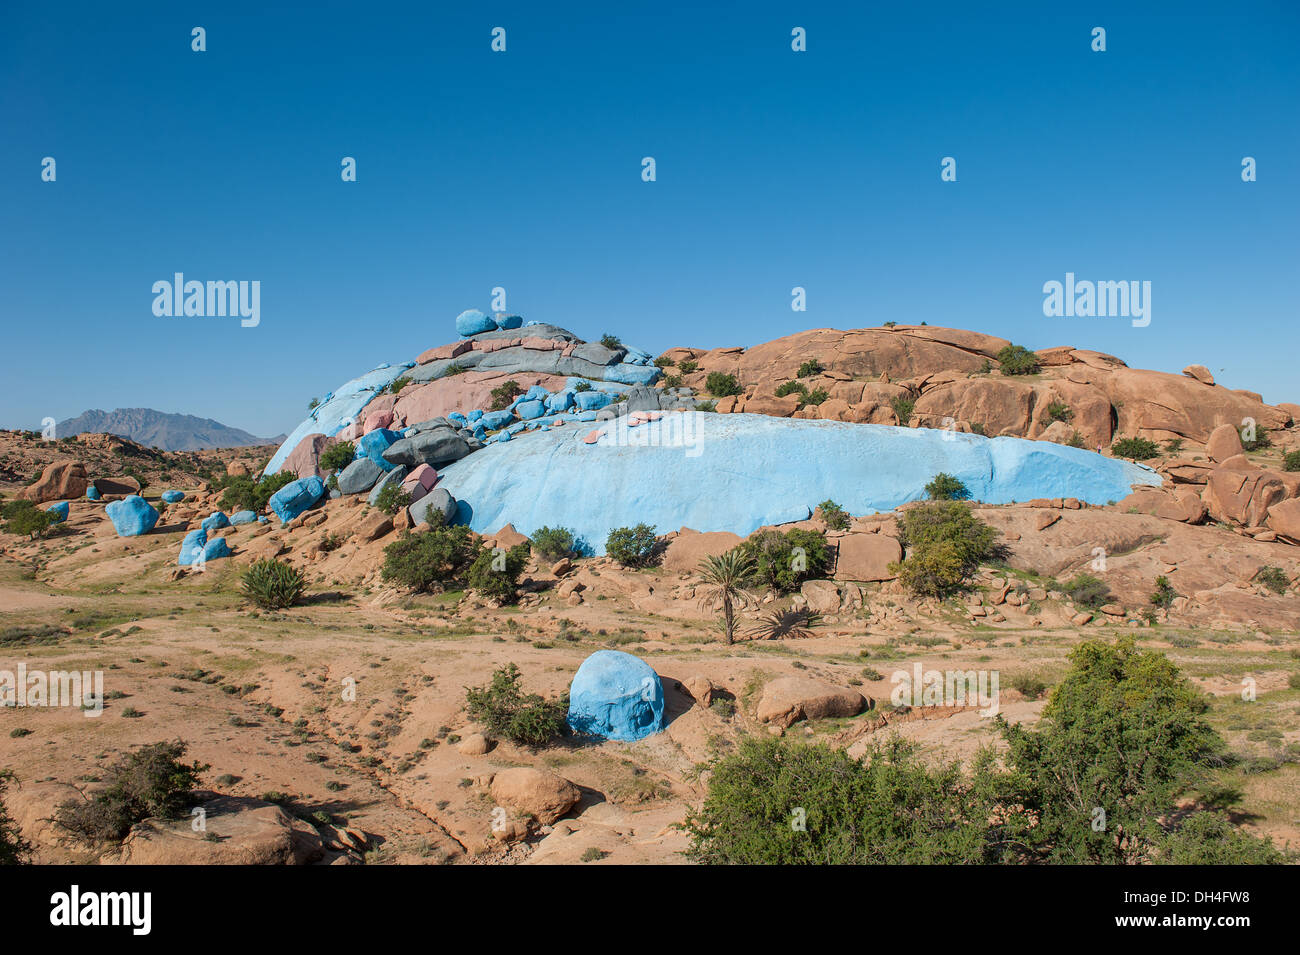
[[92, 493], [296, 496], [530, 409], [616, 696], [496, 420], [243, 517], [59, 511], [173, 497], [215, 521], [373, 444], [509, 321], [132, 516], [191, 547], [472, 322], [591, 400]]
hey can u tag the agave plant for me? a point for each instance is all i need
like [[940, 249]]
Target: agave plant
[[796, 624], [725, 578]]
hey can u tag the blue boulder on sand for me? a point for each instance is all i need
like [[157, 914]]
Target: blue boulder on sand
[[296, 496], [132, 516], [616, 696]]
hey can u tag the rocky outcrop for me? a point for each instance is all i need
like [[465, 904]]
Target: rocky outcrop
[[535, 792], [789, 699], [60, 480]]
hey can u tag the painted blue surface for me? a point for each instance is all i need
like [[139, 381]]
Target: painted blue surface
[[59, 510], [132, 516], [472, 321], [615, 695], [739, 472], [215, 520], [243, 517], [373, 444], [296, 496], [192, 546], [92, 493], [173, 497]]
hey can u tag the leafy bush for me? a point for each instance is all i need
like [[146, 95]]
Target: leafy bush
[[397, 384], [506, 711], [947, 544], [945, 487], [26, 519], [611, 341], [784, 561], [553, 543], [582, 386], [664, 361], [1087, 591], [272, 584], [338, 456], [1135, 449], [455, 368], [1274, 578], [14, 849], [1210, 838], [836, 518], [392, 498], [496, 575], [150, 782], [505, 393], [721, 385], [1059, 411], [1076, 440], [903, 406], [673, 381], [242, 493], [431, 559], [809, 368], [1164, 594], [688, 365], [1017, 360], [633, 546], [790, 388], [815, 397], [1259, 442], [1291, 461]]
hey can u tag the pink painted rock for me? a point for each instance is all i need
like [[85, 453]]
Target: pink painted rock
[[591, 437], [444, 352], [426, 476], [472, 389], [304, 459], [376, 420], [542, 344]]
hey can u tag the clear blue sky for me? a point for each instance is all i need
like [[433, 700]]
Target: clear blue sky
[[522, 169]]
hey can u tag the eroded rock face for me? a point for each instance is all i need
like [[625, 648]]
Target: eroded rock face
[[59, 480], [867, 557], [1224, 443], [789, 699]]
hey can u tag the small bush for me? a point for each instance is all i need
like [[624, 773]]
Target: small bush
[[397, 384], [553, 543], [151, 782], [945, 487], [903, 406], [1059, 411], [496, 575], [1076, 440], [503, 394], [836, 518], [809, 368], [1291, 461], [721, 385], [1274, 578], [242, 493], [1135, 449], [688, 365], [429, 560], [633, 546], [1087, 591], [392, 498], [784, 561], [1259, 442], [582, 386], [1018, 360], [14, 849], [506, 711], [791, 388], [1164, 594], [611, 341], [947, 543], [663, 361], [815, 397], [272, 584], [455, 368], [27, 520]]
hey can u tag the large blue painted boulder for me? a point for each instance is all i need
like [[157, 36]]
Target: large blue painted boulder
[[472, 322], [215, 521], [560, 401], [296, 496], [496, 420], [591, 400], [530, 409], [509, 321], [374, 443], [59, 511], [173, 497], [215, 549], [739, 472], [132, 516], [616, 696], [192, 546], [243, 517]]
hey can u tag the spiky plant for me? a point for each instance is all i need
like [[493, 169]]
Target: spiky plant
[[725, 578], [779, 624]]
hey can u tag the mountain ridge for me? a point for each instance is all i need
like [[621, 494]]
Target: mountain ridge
[[168, 431]]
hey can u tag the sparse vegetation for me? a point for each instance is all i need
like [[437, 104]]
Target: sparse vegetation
[[721, 385], [633, 546], [1274, 578], [1018, 360], [392, 498], [1164, 594], [1087, 591], [1135, 449], [945, 487], [1291, 461], [505, 393], [272, 584], [26, 519], [1259, 440], [612, 342], [688, 365], [1059, 411], [525, 719], [835, 517], [903, 406], [809, 368], [14, 849], [243, 493]]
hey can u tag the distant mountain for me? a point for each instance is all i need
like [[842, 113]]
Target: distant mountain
[[158, 429]]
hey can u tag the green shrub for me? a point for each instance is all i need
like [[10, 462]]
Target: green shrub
[[611, 341], [455, 368], [505, 393], [313, 404], [815, 397], [397, 384], [392, 498], [1259, 442], [14, 849], [1059, 411], [1018, 360], [945, 487], [977, 427], [582, 386], [836, 518], [1164, 594], [1274, 578], [633, 546], [27, 520], [151, 782], [947, 543], [1210, 838], [244, 494], [791, 388], [783, 561], [506, 711], [338, 456], [431, 559], [1087, 591], [903, 406], [272, 584], [1291, 461], [721, 385], [496, 574], [809, 368], [688, 365], [663, 361], [1076, 440], [553, 543], [1135, 449]]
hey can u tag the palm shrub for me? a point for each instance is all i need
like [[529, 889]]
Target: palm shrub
[[779, 624], [725, 579], [526, 719], [272, 584]]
